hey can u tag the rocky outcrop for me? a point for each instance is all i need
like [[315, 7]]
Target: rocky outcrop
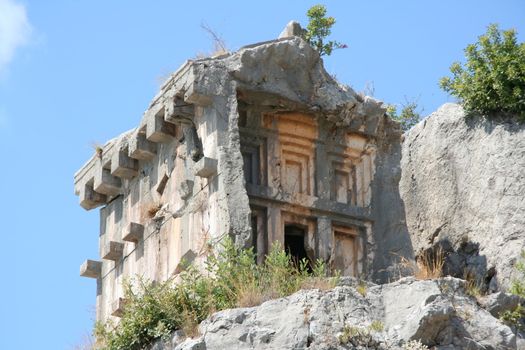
[[435, 312], [463, 187]]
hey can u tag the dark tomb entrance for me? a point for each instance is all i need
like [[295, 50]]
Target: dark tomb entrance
[[294, 237]]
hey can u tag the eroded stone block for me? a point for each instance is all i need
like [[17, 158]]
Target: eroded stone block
[[106, 183], [133, 232], [206, 167], [178, 111], [113, 251], [117, 307], [140, 148], [89, 199], [158, 130], [186, 260], [91, 269], [123, 166]]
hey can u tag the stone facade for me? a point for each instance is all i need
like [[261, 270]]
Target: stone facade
[[261, 145]]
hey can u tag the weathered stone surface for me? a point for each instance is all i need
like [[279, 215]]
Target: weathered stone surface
[[463, 187], [112, 251], [140, 148], [123, 166], [106, 183], [293, 28], [206, 167], [90, 199], [436, 312], [91, 269], [497, 303], [133, 232]]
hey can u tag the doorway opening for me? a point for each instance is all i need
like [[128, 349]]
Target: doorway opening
[[294, 237]]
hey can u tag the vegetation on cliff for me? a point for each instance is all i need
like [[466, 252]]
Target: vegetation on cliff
[[230, 279], [492, 80], [318, 29]]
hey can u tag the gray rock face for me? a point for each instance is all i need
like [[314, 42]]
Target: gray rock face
[[293, 28], [499, 302], [436, 312], [463, 187]]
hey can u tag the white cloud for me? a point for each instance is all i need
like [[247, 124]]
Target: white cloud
[[14, 30]]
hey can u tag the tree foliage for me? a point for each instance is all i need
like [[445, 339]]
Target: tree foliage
[[318, 29], [492, 80], [408, 117]]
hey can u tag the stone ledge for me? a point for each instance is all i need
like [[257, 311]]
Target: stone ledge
[[91, 268], [134, 232], [113, 251], [206, 167], [117, 307]]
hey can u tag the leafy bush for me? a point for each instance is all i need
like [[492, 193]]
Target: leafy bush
[[231, 279], [493, 77], [318, 29], [514, 318], [408, 117]]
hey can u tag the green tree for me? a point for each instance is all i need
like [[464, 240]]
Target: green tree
[[408, 117], [318, 29], [492, 80]]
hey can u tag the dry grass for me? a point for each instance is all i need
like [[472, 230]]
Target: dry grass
[[322, 283], [472, 285], [190, 325], [151, 210], [99, 149], [361, 288], [219, 45], [250, 295], [428, 265]]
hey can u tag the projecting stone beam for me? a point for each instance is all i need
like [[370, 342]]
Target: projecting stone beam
[[124, 166], [185, 261], [133, 232], [140, 148], [193, 95], [89, 199], [178, 111], [117, 307], [206, 167], [91, 269], [113, 251], [158, 130], [106, 183]]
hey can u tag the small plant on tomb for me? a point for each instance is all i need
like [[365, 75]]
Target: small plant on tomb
[[318, 29], [98, 149]]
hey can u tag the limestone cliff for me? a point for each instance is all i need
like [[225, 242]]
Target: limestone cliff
[[437, 313], [463, 187]]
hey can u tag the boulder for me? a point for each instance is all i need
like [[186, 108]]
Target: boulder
[[433, 312], [498, 303], [463, 188]]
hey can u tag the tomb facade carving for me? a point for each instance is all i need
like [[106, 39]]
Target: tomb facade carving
[[261, 145]]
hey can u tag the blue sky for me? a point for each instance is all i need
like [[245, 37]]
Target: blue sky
[[74, 73]]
